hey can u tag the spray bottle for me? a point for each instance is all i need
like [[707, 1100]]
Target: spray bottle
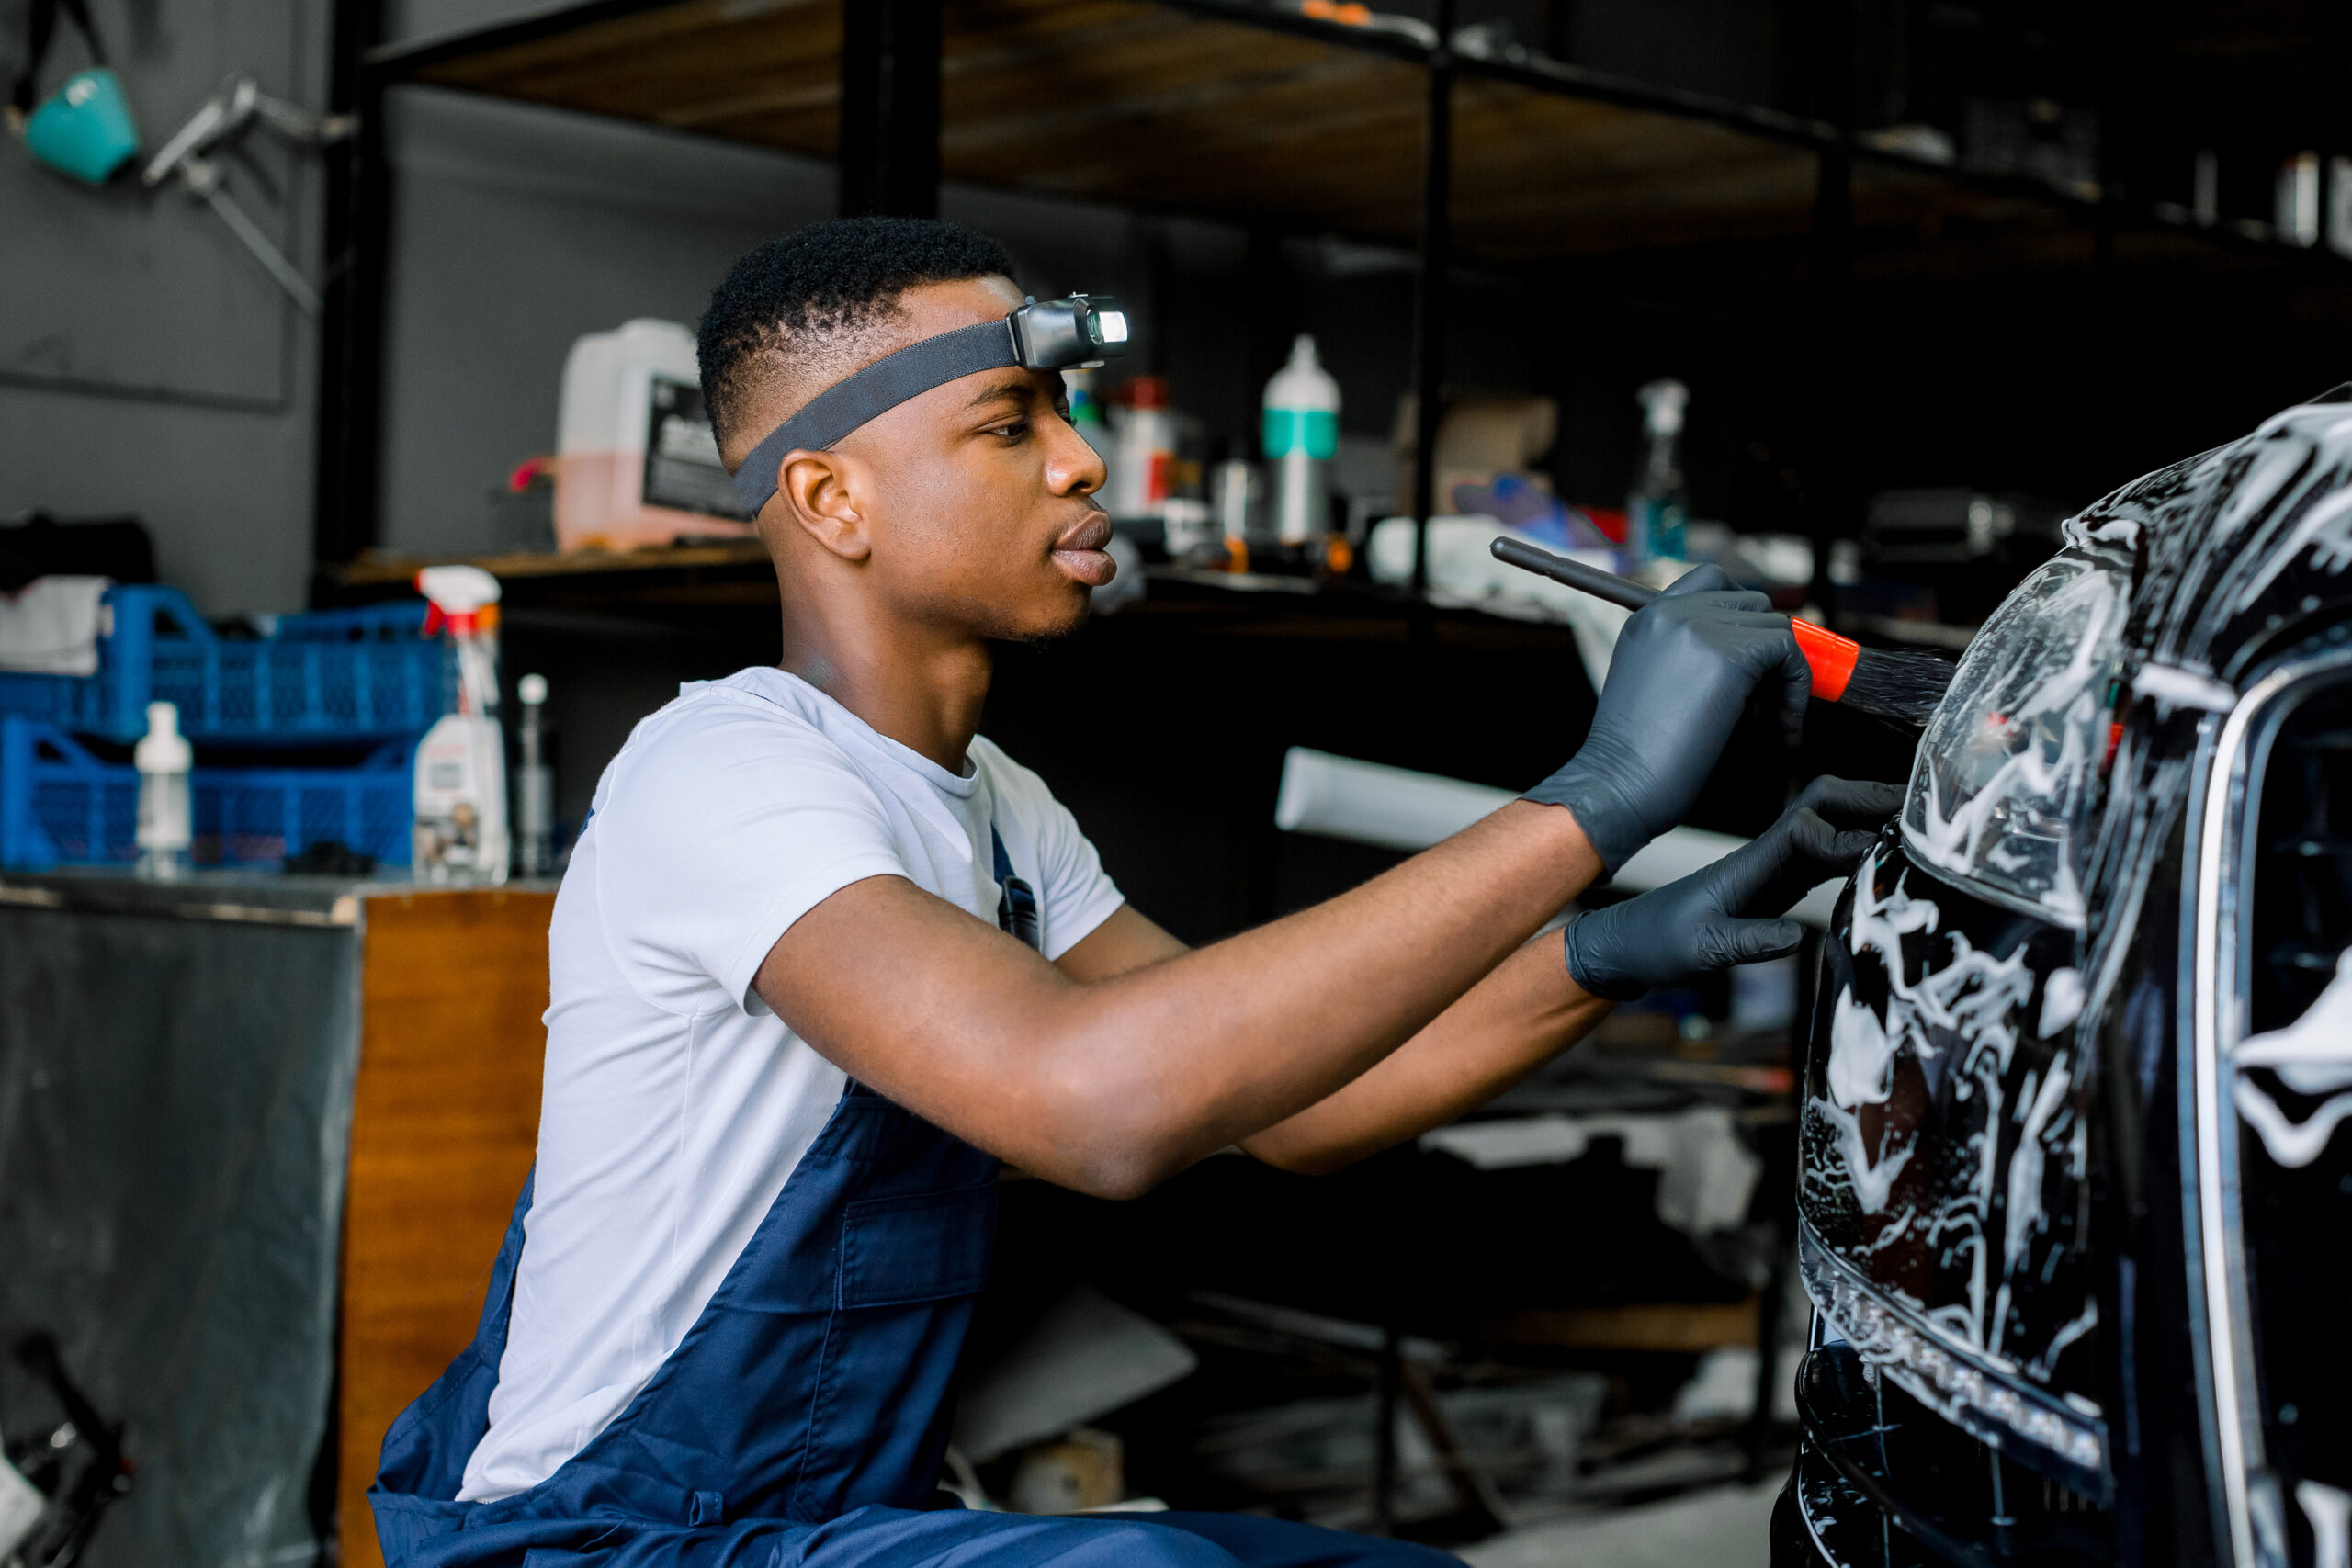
[[1302, 435], [163, 757], [461, 763], [1655, 509]]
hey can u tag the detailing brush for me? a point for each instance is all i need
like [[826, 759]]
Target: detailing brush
[[1901, 687]]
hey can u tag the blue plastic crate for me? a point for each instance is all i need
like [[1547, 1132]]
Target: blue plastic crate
[[397, 620], [335, 675], [59, 806]]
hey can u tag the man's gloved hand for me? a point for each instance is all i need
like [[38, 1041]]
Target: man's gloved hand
[[1684, 668], [1727, 913]]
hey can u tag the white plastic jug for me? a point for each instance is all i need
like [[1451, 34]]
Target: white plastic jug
[[635, 463]]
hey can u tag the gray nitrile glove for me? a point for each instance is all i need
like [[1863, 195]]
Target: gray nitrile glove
[[1727, 913], [1684, 668]]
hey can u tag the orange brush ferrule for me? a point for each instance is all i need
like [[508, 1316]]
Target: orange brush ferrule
[[1832, 657]]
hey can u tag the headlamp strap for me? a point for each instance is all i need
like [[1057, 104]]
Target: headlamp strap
[[880, 387]]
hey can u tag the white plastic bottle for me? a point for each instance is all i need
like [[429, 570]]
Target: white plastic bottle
[[534, 783], [1301, 436], [461, 790], [165, 827], [1143, 471], [635, 463]]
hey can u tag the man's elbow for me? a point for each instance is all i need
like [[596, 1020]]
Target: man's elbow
[[1297, 1156], [1122, 1172]]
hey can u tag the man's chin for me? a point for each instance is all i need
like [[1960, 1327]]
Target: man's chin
[[1043, 628]]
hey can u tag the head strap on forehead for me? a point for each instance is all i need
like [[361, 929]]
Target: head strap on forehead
[[1049, 336]]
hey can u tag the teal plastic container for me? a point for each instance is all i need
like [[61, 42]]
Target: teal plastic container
[[85, 129]]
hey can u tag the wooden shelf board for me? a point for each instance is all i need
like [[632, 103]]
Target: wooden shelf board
[[1175, 107]]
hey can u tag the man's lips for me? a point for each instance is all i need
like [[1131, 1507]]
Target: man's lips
[[1081, 551]]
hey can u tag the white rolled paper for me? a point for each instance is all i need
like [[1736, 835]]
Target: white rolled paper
[[1398, 808]]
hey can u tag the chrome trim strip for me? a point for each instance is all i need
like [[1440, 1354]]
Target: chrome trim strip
[[2192, 1205], [2218, 1023]]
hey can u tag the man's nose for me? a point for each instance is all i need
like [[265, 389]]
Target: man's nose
[[1072, 464]]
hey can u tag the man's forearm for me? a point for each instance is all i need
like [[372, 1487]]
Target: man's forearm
[[1113, 1086], [1510, 1023]]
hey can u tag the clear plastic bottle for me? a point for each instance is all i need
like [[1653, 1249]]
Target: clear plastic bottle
[[1301, 436], [165, 827]]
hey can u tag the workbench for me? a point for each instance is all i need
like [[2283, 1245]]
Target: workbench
[[259, 1137]]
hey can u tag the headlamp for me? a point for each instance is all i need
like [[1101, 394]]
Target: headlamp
[[1082, 330]]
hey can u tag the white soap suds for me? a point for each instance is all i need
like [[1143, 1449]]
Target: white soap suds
[[2310, 1055], [2061, 1002], [1861, 1062], [2023, 1212], [2329, 1510]]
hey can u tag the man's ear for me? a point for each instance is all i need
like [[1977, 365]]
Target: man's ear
[[815, 491]]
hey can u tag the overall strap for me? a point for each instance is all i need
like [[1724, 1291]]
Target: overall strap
[[43, 22], [1016, 909]]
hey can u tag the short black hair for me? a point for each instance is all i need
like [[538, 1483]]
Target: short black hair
[[825, 279]]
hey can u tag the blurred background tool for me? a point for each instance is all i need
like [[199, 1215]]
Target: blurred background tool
[[223, 119]]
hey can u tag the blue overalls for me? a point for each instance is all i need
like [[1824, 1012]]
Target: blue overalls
[[801, 1422]]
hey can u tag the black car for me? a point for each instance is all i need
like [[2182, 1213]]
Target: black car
[[2076, 1210]]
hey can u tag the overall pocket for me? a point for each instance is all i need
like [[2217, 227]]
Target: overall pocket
[[919, 1248]]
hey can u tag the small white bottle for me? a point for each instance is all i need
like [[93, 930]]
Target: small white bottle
[[165, 830], [1301, 436], [534, 784]]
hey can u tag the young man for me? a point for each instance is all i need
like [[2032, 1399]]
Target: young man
[[824, 957]]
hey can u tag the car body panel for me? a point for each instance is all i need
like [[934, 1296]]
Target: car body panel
[[2072, 1196]]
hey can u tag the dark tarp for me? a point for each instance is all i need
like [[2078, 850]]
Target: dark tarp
[[174, 1112]]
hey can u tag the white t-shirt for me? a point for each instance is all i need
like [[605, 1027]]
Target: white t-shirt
[[675, 1102]]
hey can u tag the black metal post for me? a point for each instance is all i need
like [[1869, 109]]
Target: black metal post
[[889, 115], [1835, 504], [1384, 1436], [1758, 1438], [1429, 287], [2329, 141], [351, 327]]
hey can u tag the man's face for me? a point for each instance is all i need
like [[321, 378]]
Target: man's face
[[977, 496]]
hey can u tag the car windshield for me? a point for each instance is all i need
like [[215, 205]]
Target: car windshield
[[2001, 792]]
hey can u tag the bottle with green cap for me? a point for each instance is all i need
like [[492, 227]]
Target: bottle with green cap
[[1302, 433], [1657, 507]]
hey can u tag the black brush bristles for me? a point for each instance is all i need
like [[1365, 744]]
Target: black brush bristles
[[1900, 686]]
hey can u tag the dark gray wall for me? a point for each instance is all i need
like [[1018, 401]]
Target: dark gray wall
[[517, 229], [147, 364], [514, 230]]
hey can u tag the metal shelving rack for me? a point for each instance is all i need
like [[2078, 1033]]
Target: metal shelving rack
[[1312, 115]]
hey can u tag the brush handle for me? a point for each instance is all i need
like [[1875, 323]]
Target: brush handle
[[1831, 657], [1623, 592]]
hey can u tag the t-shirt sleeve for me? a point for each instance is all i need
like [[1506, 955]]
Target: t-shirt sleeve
[[1045, 844], [724, 829]]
